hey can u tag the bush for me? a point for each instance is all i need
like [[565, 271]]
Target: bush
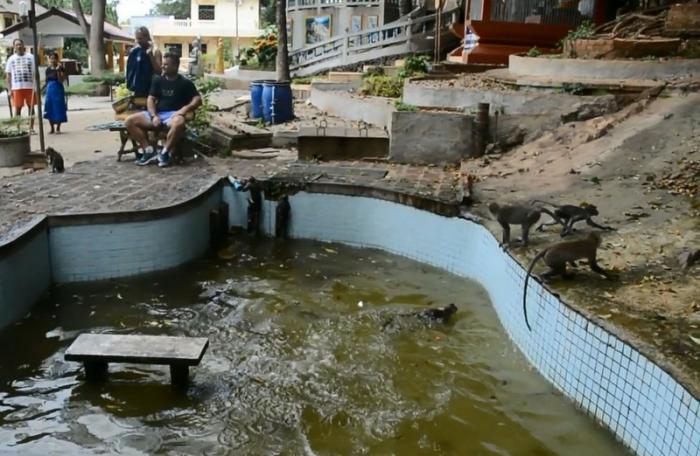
[[382, 86], [263, 52], [83, 88], [401, 106], [414, 65], [534, 52], [109, 78]]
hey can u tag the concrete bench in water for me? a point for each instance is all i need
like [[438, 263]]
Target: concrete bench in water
[[96, 351]]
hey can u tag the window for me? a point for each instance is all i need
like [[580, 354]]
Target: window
[[202, 47], [206, 12], [175, 48], [9, 21]]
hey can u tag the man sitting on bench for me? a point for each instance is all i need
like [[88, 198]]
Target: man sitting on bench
[[171, 97]]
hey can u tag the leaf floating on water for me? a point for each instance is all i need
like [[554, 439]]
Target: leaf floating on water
[[329, 250], [608, 295], [119, 296], [605, 316], [694, 339]]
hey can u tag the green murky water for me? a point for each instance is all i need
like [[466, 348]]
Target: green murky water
[[301, 361]]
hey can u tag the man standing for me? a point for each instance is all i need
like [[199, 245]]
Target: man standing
[[171, 97], [19, 72]]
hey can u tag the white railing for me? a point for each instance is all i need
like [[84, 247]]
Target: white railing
[[349, 48], [303, 4]]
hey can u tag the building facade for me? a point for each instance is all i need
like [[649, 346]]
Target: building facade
[[235, 21]]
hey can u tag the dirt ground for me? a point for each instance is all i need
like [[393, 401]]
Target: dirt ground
[[641, 168]]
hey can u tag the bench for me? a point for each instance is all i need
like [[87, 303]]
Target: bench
[[96, 351], [125, 107]]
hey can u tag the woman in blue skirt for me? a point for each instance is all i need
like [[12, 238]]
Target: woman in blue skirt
[[55, 104]]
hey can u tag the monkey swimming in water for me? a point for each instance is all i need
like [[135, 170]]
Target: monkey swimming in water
[[55, 159], [428, 316], [558, 254], [282, 213], [571, 214], [518, 214]]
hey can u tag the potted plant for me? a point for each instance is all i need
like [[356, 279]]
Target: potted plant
[[14, 142]]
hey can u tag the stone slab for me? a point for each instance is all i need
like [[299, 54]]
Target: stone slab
[[430, 137], [137, 349]]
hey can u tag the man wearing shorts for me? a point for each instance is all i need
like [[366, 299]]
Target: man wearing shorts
[[19, 72], [171, 97]]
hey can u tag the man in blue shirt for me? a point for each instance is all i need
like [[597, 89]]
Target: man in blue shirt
[[170, 99]]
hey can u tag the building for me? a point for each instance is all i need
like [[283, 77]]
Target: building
[[54, 25], [234, 20]]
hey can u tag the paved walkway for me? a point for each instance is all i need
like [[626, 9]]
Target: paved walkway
[[105, 185]]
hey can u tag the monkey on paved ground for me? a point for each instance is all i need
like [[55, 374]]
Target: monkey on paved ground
[[571, 215], [254, 204], [282, 213], [55, 160], [558, 254], [518, 214]]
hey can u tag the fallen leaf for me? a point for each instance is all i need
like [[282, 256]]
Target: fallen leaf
[[695, 339]]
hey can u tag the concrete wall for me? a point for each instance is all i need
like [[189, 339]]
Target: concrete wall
[[603, 69], [340, 21], [102, 251], [429, 137], [510, 103], [24, 274], [237, 79], [374, 110]]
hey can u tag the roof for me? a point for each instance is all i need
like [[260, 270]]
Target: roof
[[111, 32]]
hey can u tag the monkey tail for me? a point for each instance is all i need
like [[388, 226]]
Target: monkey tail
[[553, 215], [543, 202], [527, 278]]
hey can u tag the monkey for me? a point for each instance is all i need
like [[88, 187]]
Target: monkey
[[282, 212], [558, 254], [570, 215], [428, 316], [254, 204], [55, 159], [518, 214]]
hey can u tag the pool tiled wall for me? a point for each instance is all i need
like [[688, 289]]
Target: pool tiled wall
[[24, 275]]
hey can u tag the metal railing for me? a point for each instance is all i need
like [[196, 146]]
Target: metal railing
[[385, 40]]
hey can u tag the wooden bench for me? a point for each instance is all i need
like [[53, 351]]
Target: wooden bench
[[124, 108], [96, 351]]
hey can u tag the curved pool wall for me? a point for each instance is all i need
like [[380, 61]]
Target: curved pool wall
[[636, 399]]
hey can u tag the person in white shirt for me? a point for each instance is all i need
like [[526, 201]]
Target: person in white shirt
[[19, 72]]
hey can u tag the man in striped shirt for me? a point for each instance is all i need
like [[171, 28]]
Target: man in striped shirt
[[19, 72]]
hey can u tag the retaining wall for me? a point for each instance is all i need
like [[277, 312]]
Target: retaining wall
[[335, 100]]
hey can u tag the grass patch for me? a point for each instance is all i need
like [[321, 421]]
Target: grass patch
[[83, 88]]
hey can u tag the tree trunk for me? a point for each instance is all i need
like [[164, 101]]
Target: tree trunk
[[96, 42], [94, 33], [282, 54]]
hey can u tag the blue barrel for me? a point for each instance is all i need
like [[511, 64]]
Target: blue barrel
[[256, 103], [277, 102]]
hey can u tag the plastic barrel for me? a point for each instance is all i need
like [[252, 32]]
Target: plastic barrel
[[256, 103], [277, 102]]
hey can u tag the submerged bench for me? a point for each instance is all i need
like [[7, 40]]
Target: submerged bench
[[96, 351]]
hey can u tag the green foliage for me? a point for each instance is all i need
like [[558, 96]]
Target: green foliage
[[401, 106], [109, 78], [373, 71], [14, 127], [202, 117], [573, 89], [534, 52], [178, 8], [110, 7], [382, 86], [76, 49], [83, 88], [263, 52], [414, 65], [585, 30], [268, 12], [121, 91]]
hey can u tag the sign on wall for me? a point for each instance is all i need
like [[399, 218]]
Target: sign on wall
[[318, 29]]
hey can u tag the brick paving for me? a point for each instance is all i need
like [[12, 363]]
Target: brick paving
[[106, 185]]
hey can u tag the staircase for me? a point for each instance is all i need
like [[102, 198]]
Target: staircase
[[404, 36]]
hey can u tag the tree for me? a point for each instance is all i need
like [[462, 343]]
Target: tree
[[178, 8], [282, 55], [268, 12], [94, 33], [111, 7]]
